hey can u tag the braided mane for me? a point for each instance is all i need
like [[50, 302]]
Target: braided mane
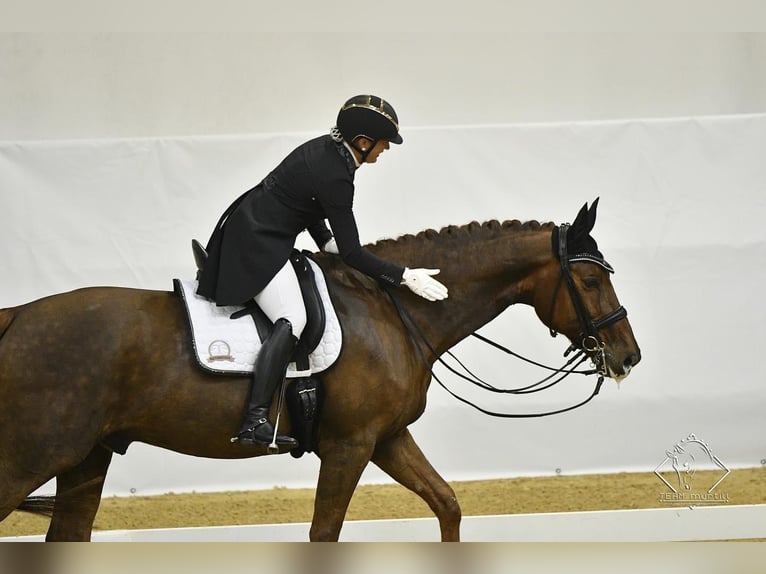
[[469, 231]]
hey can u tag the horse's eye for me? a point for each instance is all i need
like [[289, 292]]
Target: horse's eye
[[591, 282]]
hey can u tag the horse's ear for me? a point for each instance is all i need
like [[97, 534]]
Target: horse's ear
[[579, 228], [585, 220], [592, 215], [582, 218], [579, 239]]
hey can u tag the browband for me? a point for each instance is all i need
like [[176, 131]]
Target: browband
[[588, 257]]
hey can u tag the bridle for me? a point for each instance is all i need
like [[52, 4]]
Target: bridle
[[588, 340], [588, 343]]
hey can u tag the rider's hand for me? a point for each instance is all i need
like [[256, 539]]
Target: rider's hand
[[421, 282], [331, 247]]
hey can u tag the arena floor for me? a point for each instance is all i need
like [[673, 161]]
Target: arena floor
[[375, 502]]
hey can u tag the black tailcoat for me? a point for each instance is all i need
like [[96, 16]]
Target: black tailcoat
[[254, 239]]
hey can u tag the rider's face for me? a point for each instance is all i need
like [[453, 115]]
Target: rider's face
[[379, 148]]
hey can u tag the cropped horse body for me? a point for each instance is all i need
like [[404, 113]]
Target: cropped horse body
[[85, 372]]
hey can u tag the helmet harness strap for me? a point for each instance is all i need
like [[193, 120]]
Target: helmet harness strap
[[363, 151]]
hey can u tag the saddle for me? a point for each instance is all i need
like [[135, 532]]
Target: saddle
[[304, 393], [226, 346], [315, 311]]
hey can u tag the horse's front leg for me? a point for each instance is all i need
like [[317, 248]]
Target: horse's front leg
[[342, 464], [403, 460]]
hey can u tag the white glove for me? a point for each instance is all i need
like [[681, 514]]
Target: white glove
[[421, 283], [331, 247]]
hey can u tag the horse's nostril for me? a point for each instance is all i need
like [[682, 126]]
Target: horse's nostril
[[630, 361]]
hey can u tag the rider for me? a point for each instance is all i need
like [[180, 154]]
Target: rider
[[249, 250]]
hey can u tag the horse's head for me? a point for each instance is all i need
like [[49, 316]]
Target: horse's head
[[580, 302]]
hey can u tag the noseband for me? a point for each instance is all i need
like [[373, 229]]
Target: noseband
[[589, 339]]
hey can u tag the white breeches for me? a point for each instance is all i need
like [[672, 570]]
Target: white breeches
[[282, 299]]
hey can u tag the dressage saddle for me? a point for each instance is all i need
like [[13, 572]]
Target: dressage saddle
[[315, 312]]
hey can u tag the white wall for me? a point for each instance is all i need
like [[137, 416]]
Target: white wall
[[94, 85], [682, 200]]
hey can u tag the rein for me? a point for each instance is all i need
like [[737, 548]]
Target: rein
[[588, 342], [412, 329]]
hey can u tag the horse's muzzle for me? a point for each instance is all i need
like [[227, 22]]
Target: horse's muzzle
[[618, 370]]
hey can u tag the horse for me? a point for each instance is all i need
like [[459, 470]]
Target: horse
[[83, 371]]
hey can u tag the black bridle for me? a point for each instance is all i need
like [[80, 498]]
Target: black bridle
[[588, 343], [588, 339]]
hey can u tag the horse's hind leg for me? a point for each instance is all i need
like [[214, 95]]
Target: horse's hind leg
[[403, 461], [78, 495]]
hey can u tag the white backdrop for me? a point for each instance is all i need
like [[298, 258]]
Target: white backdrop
[[290, 73], [682, 206]]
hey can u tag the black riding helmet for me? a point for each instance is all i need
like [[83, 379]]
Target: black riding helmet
[[370, 117]]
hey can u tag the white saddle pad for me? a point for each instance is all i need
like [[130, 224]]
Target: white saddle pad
[[230, 346]]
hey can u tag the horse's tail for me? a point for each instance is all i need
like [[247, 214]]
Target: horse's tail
[[38, 505], [6, 318]]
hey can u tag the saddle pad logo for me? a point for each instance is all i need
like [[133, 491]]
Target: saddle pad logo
[[219, 350]]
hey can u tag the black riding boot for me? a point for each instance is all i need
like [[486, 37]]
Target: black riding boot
[[269, 372]]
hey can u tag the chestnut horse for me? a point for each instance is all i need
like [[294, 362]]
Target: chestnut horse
[[86, 370]]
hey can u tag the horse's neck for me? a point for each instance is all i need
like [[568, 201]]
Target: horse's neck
[[484, 278]]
